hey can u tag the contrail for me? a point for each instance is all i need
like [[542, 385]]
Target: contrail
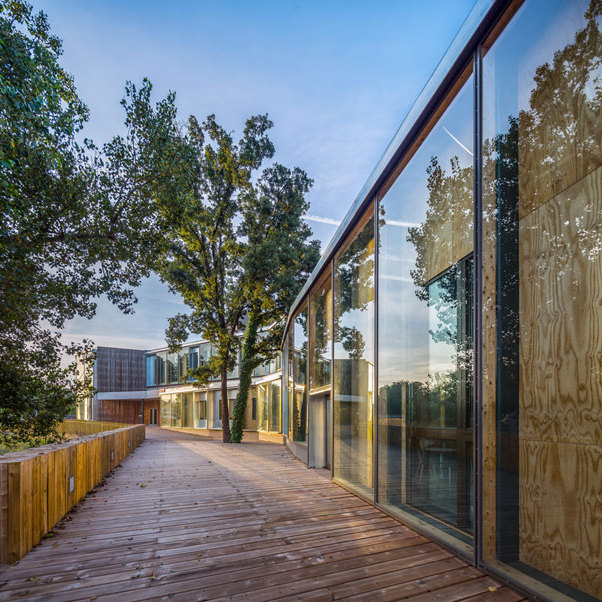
[[456, 140], [322, 220]]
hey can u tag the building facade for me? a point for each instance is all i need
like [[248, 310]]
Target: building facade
[[153, 387], [185, 405], [444, 359]]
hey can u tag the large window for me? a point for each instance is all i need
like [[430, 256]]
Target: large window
[[300, 377], [150, 371], [542, 297], [425, 325], [320, 336], [354, 357]]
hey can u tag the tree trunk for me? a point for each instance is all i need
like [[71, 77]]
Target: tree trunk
[[247, 365], [224, 405]]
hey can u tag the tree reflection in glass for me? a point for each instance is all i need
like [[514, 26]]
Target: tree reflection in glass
[[353, 360], [425, 325]]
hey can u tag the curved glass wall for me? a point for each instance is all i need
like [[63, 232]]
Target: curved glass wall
[[542, 316], [425, 325], [353, 383]]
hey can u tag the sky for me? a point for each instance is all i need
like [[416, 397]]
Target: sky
[[337, 78]]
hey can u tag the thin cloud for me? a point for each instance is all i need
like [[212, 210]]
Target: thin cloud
[[321, 220]]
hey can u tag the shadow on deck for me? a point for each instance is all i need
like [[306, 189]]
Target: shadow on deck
[[185, 518]]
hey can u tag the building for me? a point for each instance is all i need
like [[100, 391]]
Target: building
[[121, 395], [153, 387], [444, 359]]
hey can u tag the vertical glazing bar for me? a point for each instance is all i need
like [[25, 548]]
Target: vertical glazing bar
[[332, 370], [307, 367], [477, 305], [375, 362]]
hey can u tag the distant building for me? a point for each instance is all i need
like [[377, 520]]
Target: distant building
[[152, 387]]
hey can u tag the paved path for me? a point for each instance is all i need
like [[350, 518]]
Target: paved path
[[184, 518]]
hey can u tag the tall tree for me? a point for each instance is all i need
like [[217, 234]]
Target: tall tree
[[278, 259], [198, 175], [205, 261], [239, 249], [70, 230]]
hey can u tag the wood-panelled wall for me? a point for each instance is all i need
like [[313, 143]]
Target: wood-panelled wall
[[119, 369], [128, 411], [560, 438], [35, 484]]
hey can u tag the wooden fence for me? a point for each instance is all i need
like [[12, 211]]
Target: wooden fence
[[88, 427], [39, 486]]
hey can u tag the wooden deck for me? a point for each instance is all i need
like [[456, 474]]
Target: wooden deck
[[185, 518]]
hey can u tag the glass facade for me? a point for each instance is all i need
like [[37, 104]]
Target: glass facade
[[467, 325], [353, 383], [425, 324]]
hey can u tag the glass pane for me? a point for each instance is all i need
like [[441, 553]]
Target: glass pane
[[320, 336], [542, 229], [291, 388], [274, 417], [150, 370], [161, 368], [425, 326], [193, 361], [187, 411], [172, 368], [300, 377], [182, 364], [176, 410], [262, 395], [354, 358]]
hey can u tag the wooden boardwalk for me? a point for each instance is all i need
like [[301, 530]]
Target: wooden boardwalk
[[185, 518]]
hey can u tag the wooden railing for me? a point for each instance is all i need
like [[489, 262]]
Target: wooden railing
[[88, 427], [38, 486]]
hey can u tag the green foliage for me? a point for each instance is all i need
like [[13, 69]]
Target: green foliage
[[238, 250], [73, 225], [278, 259]]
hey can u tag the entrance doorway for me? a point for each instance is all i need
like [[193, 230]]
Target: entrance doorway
[[152, 415], [319, 430]]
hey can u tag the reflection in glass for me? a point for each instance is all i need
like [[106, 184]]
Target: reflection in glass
[[542, 222], [275, 403], [172, 368], [354, 358], [425, 326], [320, 336], [300, 377], [150, 371], [291, 382]]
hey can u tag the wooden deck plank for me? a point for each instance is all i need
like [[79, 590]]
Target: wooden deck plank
[[223, 522]]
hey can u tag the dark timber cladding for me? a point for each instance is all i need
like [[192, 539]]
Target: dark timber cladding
[[119, 370], [184, 518]]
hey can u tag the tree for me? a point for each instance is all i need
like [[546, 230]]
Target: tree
[[70, 229], [204, 261], [278, 259], [238, 251]]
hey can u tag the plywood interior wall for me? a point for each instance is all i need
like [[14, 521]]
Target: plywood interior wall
[[560, 438]]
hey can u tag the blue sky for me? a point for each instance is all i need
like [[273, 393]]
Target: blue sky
[[336, 77]]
